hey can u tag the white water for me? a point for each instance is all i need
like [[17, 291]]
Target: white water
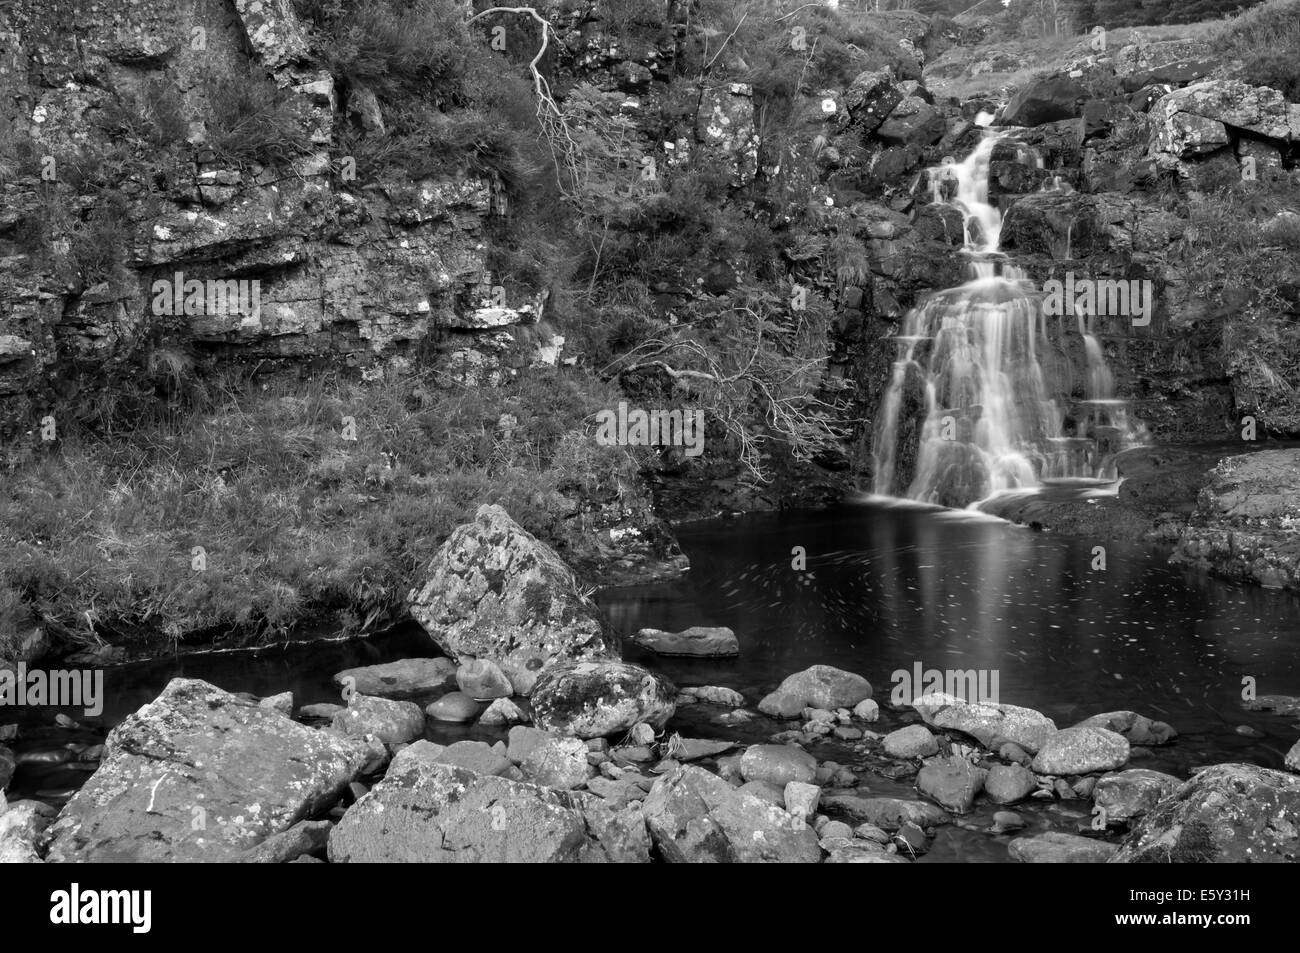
[[970, 372]]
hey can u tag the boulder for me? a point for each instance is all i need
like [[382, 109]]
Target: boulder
[[986, 722], [483, 681], [200, 775], [7, 765], [494, 591], [22, 826], [1009, 783], [1056, 847], [821, 686], [801, 799], [912, 741], [392, 722], [283, 702], [887, 813], [696, 817], [410, 678], [1229, 102], [454, 707], [1292, 760], [593, 699], [698, 640], [765, 791], [1138, 729], [305, 837], [777, 764], [1081, 750], [476, 756], [952, 783], [1228, 813], [716, 695], [557, 763], [503, 711], [913, 122], [1043, 101], [1126, 796], [427, 812], [868, 101]]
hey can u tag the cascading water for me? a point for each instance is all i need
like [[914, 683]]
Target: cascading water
[[968, 412]]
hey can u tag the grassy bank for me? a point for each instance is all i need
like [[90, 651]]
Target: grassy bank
[[254, 509]]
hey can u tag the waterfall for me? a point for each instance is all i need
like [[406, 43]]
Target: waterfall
[[970, 410]]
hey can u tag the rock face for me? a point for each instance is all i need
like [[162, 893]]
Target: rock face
[[1055, 847], [593, 699], [494, 591], [696, 817], [821, 686], [199, 775], [698, 640], [1228, 813], [427, 812], [987, 723], [1080, 750], [1128, 795]]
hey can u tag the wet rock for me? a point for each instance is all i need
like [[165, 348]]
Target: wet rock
[[801, 799], [7, 766], [476, 756], [483, 681], [952, 783], [305, 837], [716, 695], [593, 699], [872, 833], [503, 711], [1043, 101], [778, 764], [323, 711], [695, 816], [22, 827], [845, 733], [410, 678], [698, 640], [283, 703], [427, 812], [494, 591], [913, 741], [887, 813], [1009, 783], [392, 722], [1056, 847], [1128, 795], [1004, 821], [987, 723], [867, 710], [253, 772], [557, 763], [821, 686], [454, 707], [1138, 729], [692, 749], [1080, 750], [1292, 758], [859, 852], [1228, 813]]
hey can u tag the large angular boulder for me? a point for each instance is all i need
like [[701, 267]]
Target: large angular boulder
[[494, 591], [1043, 101], [1257, 109], [1126, 796], [200, 775], [868, 101], [1081, 750], [820, 686], [424, 811], [1228, 813], [987, 722], [696, 817], [592, 699]]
